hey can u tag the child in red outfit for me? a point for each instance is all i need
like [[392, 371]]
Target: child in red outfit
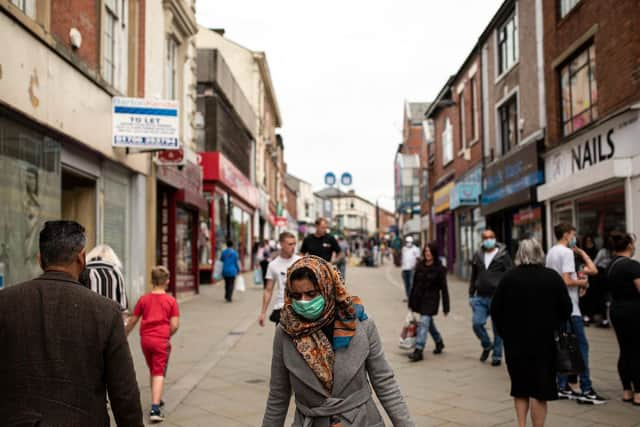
[[159, 312]]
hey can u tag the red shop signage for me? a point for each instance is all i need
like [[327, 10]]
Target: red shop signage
[[216, 167]]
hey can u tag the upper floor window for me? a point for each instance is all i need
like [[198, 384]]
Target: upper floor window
[[508, 115], [579, 91], [26, 6], [507, 44], [474, 109], [114, 66], [447, 143], [566, 6], [461, 118], [171, 67]]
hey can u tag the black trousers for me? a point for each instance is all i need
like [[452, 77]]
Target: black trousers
[[264, 264], [625, 317], [229, 283]]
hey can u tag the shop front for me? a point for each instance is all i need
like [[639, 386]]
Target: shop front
[[592, 180], [232, 202], [180, 205], [464, 200], [509, 194], [444, 221]]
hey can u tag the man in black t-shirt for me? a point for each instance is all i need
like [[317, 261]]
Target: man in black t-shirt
[[321, 244]]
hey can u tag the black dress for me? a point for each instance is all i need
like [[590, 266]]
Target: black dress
[[530, 303]]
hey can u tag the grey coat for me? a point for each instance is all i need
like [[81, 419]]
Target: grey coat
[[351, 399]]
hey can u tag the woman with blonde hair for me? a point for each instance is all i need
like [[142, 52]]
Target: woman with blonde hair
[[326, 352], [528, 338], [103, 275]]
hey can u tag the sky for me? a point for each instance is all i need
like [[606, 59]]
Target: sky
[[342, 71]]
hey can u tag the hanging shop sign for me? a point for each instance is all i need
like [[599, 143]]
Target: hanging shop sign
[[145, 123], [466, 191], [441, 198]]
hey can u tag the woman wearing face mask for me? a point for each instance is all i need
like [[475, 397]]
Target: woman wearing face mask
[[325, 351], [429, 281], [624, 284]]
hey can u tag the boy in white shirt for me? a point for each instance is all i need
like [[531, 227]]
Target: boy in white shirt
[[277, 276], [561, 258]]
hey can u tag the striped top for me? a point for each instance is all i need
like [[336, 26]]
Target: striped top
[[107, 280]]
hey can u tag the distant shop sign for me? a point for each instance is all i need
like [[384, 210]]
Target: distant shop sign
[[145, 123]]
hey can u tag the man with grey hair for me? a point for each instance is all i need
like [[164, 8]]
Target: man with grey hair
[[488, 266], [65, 347]]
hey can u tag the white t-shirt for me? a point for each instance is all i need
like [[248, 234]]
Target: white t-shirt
[[410, 255], [277, 271], [561, 259], [488, 257]]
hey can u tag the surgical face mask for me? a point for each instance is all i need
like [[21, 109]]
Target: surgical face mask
[[572, 242], [310, 310], [489, 243]]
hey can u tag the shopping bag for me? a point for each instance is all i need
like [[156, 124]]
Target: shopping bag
[[568, 357], [217, 271], [239, 286], [409, 332], [257, 276]]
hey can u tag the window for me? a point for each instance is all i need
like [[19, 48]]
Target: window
[[579, 91], [463, 136], [427, 131], [26, 6], [508, 115], [171, 65], [507, 45], [566, 6], [447, 143], [114, 66], [474, 109]]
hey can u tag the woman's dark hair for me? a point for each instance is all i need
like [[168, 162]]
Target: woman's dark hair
[[304, 273], [620, 241], [435, 252]]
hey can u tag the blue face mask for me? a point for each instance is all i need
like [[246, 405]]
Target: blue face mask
[[572, 242], [489, 243]]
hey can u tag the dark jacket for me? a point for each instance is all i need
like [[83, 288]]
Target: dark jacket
[[428, 283], [62, 347], [485, 281]]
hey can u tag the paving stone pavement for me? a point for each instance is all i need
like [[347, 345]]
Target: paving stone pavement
[[219, 368]]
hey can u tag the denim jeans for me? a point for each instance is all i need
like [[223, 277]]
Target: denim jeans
[[577, 324], [407, 278], [426, 326], [481, 307]]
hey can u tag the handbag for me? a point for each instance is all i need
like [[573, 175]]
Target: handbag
[[257, 276], [568, 358]]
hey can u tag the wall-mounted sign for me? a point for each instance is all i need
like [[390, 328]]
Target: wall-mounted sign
[[170, 157], [145, 123], [330, 179], [346, 179], [466, 191], [441, 198]]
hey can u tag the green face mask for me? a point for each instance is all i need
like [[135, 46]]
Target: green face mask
[[309, 309]]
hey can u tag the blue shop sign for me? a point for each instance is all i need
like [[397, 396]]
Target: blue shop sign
[[467, 191], [516, 173]]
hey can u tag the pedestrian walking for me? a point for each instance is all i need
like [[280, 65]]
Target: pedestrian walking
[[230, 269], [345, 250], [264, 257], [160, 320], [103, 275], [600, 286], [523, 293], [321, 243], [277, 277], [624, 280], [326, 351], [409, 258], [488, 266], [561, 259], [429, 282], [63, 346]]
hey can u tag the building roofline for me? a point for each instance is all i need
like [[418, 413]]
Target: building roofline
[[263, 65]]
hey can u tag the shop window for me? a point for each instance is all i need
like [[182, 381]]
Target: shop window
[[30, 190], [114, 60], [579, 91], [447, 143], [220, 223], [28, 7], [204, 237], [184, 232], [507, 44], [508, 115], [601, 213], [565, 6]]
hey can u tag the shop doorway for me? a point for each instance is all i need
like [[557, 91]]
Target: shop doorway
[[79, 203]]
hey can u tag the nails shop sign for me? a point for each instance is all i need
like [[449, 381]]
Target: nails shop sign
[[145, 123], [615, 138]]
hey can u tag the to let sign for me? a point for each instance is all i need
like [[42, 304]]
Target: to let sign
[[145, 123]]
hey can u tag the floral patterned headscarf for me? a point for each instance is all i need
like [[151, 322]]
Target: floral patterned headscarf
[[340, 308]]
